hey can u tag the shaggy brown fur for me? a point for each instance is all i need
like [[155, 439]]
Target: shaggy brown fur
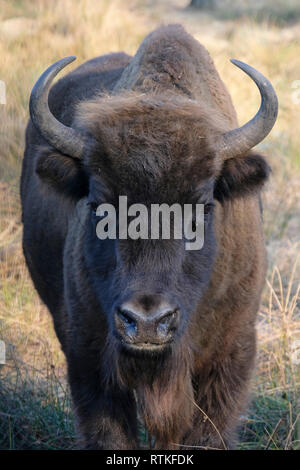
[[153, 132]]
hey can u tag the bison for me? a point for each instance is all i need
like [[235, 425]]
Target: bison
[[152, 333]]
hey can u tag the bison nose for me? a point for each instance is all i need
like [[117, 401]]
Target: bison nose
[[146, 329]]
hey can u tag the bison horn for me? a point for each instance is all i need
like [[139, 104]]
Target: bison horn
[[65, 139], [242, 139]]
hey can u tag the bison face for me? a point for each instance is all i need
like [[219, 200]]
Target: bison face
[[148, 288]]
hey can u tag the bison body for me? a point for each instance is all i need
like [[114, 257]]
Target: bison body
[[150, 126]]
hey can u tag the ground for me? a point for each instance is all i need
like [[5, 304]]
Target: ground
[[34, 399]]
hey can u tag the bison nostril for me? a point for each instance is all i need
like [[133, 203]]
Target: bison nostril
[[125, 317], [167, 323], [128, 323]]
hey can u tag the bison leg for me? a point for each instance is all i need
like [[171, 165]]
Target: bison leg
[[103, 424], [220, 400], [105, 417], [211, 432]]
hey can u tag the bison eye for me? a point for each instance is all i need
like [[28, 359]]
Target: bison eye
[[93, 205], [208, 208]]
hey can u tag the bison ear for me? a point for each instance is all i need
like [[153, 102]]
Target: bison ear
[[241, 176], [64, 174]]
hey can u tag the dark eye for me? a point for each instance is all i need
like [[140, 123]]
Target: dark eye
[[208, 208], [93, 205]]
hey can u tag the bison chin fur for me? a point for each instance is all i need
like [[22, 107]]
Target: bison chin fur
[[162, 385]]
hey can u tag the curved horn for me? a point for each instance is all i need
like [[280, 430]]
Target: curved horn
[[242, 139], [66, 139]]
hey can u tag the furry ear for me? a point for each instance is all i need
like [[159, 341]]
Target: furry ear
[[241, 176], [62, 173]]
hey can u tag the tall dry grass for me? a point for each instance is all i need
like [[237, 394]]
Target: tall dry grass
[[34, 400]]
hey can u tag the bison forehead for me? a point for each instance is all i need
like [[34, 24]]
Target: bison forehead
[[144, 188], [150, 141]]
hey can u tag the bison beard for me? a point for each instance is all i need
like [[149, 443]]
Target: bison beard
[[158, 127], [164, 400]]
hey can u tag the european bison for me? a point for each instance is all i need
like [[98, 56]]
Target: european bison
[[149, 329]]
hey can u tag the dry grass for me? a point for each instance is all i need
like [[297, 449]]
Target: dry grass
[[34, 404]]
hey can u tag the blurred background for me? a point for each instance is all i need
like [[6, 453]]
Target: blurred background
[[34, 399]]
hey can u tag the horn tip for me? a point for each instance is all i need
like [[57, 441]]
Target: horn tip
[[237, 62], [70, 59]]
